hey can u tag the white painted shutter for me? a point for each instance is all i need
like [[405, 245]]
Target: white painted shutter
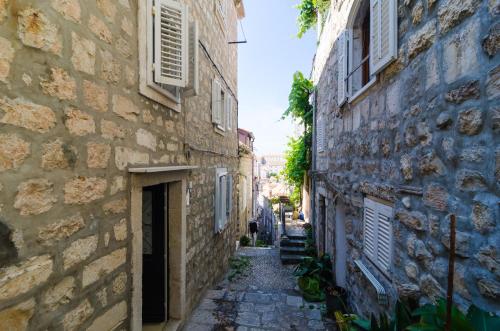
[[217, 206], [229, 196], [370, 229], [321, 137], [193, 85], [216, 101], [223, 202], [384, 242], [342, 67], [171, 43], [229, 111], [383, 34]]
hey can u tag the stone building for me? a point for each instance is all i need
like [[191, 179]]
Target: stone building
[[246, 189], [407, 124], [118, 160]]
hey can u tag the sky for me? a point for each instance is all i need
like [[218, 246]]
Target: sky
[[265, 70]]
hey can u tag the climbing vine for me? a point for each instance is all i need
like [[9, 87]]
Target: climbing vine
[[308, 14], [298, 153]]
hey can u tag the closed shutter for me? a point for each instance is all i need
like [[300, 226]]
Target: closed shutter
[[193, 85], [383, 34], [229, 111], [370, 230], [384, 242], [342, 67], [321, 137], [216, 101], [171, 43], [217, 203], [229, 199]]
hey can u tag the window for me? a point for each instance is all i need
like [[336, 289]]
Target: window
[[366, 47], [377, 233], [223, 199], [222, 107], [168, 53]]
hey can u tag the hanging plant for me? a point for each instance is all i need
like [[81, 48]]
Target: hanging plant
[[308, 14]]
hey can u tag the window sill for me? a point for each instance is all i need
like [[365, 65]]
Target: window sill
[[152, 94], [362, 90], [219, 129]]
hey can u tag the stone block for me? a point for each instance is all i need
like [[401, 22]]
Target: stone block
[[127, 26], [123, 47], [60, 294], [111, 319], [460, 55], [485, 212], [25, 276], [489, 258], [103, 266], [25, 114], [3, 9], [422, 39], [69, 9], [79, 251], [489, 288], [34, 197], [61, 229], [469, 90], [78, 122], [98, 155], [17, 318], [414, 220], [83, 190], [35, 30], [117, 185], [432, 77], [491, 43], [115, 207], [409, 291], [125, 108], [474, 154], [108, 9], [60, 85], [13, 151], [111, 130], [417, 13], [57, 155], [470, 180], [444, 120], [84, 54], [436, 196], [452, 12], [120, 230], [406, 167], [95, 96], [76, 317], [125, 156], [430, 287], [146, 139], [411, 270], [431, 164], [493, 84], [100, 29], [119, 284], [463, 241], [6, 58], [111, 70], [470, 121]]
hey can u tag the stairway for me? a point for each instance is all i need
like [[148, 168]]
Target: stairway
[[292, 249]]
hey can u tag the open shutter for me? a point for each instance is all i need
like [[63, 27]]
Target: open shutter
[[193, 85], [171, 43], [216, 101], [229, 199], [370, 229], [229, 111], [384, 242], [342, 67], [217, 203], [383, 34]]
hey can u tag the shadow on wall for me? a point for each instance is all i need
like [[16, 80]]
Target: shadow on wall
[[8, 251]]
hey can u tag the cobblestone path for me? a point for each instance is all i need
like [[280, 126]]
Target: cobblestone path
[[265, 299]]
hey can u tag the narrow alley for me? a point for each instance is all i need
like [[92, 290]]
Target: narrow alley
[[263, 299]]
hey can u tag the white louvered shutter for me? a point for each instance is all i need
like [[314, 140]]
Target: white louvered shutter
[[229, 199], [370, 229], [223, 202], [193, 85], [171, 43], [229, 111], [217, 203], [383, 34], [384, 242], [216, 101], [342, 67]]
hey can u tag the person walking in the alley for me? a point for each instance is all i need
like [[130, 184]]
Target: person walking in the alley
[[254, 229]]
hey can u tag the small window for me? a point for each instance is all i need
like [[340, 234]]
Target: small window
[[377, 234], [223, 199]]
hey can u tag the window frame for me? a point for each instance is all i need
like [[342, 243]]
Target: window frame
[[379, 205], [223, 199]]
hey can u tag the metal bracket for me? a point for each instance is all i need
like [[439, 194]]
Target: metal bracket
[[381, 294]]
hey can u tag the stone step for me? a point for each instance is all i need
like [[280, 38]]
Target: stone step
[[297, 237], [292, 250], [292, 242], [292, 259]]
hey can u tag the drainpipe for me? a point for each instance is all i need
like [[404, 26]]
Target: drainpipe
[[313, 173]]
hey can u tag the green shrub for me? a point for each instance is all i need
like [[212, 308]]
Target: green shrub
[[244, 241], [260, 243]]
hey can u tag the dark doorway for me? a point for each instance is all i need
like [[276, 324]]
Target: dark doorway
[[154, 229]]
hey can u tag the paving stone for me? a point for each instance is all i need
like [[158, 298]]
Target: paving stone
[[203, 317], [246, 306], [248, 318], [313, 314], [264, 308], [316, 325], [258, 298], [294, 301]]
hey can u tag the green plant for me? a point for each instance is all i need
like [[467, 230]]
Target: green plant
[[238, 267], [260, 243], [308, 14], [314, 275], [311, 289], [244, 241]]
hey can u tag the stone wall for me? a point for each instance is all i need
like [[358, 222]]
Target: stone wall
[[425, 138], [71, 122], [246, 171]]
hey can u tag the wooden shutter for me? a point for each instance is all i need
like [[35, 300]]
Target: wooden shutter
[[370, 229], [171, 43], [229, 111], [384, 242], [383, 34], [193, 85], [342, 67], [216, 101]]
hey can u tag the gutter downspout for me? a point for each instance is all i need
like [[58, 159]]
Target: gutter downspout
[[313, 177]]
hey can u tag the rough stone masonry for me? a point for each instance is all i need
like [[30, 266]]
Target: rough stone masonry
[[425, 138], [71, 123]]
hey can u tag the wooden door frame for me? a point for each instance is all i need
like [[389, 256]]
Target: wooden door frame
[[176, 279]]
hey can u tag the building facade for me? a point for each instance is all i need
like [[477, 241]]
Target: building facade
[[246, 189], [118, 160], [407, 133]]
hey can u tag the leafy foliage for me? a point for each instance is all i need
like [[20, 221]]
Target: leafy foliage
[[315, 274], [299, 107], [244, 241], [308, 14], [238, 267]]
